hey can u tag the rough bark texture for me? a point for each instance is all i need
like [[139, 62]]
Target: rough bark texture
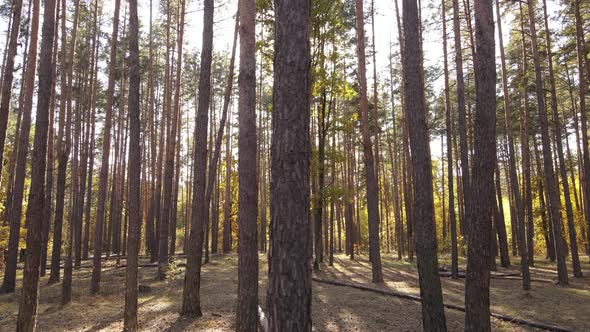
[[192, 280], [214, 160], [449, 132], [227, 197], [465, 180], [165, 228], [290, 250], [67, 280], [583, 117], [131, 288], [433, 315], [560, 155], [526, 282], [9, 281], [371, 179], [104, 165], [550, 181], [477, 281], [27, 314], [247, 315], [8, 73]]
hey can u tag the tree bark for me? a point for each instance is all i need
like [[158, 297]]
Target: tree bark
[[526, 278], [192, 279], [463, 146], [449, 131], [552, 190], [433, 316], [581, 57], [289, 273], [27, 314], [371, 179], [9, 281], [131, 288], [214, 160], [558, 142], [8, 74], [247, 315], [104, 165], [477, 282]]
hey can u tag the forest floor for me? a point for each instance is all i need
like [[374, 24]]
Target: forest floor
[[335, 308]]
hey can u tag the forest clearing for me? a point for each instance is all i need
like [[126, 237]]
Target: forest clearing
[[294, 165]]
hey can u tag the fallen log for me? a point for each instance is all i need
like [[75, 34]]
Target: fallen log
[[416, 298], [502, 276]]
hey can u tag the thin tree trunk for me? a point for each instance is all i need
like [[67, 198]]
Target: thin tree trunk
[[463, 146], [227, 197], [500, 224], [557, 131], [582, 60], [47, 214], [214, 160], [552, 190], [106, 149], [192, 280], [371, 179], [8, 73], [449, 131], [526, 278]]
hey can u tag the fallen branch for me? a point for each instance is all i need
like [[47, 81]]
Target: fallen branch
[[501, 276], [449, 306]]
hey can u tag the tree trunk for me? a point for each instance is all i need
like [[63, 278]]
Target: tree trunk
[[192, 280], [477, 282], [247, 315], [552, 190], [47, 218], [371, 179], [289, 303], [214, 160], [67, 281], [452, 219], [131, 288], [27, 314], [558, 142], [8, 73], [500, 224], [106, 149], [526, 278], [581, 56], [463, 146], [227, 198], [163, 257], [9, 281], [433, 316]]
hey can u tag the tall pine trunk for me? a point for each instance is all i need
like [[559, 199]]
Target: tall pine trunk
[[104, 165], [247, 315], [27, 313], [371, 179], [289, 304], [477, 281], [433, 315], [549, 174], [192, 280]]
